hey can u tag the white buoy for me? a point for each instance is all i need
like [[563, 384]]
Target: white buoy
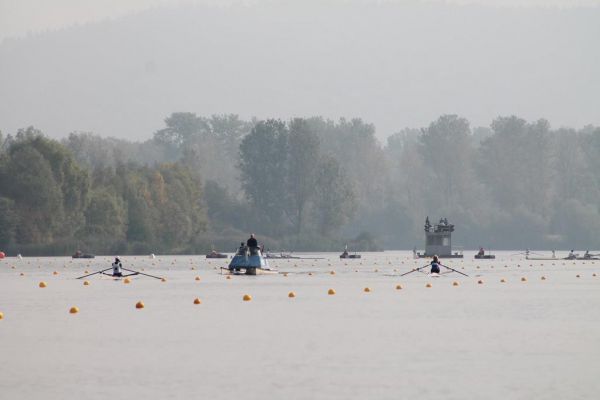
[[152, 256], [19, 256]]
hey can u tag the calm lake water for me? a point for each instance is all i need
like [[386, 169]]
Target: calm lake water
[[532, 339]]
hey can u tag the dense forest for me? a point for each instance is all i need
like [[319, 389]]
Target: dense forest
[[300, 184]]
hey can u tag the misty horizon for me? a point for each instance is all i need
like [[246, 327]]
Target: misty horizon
[[393, 65]]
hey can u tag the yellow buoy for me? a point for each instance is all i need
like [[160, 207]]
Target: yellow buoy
[[55, 273], [86, 272], [126, 280], [42, 284], [455, 283], [197, 278], [523, 279], [86, 283], [331, 292], [197, 301], [577, 276], [543, 278], [398, 287], [1, 315], [367, 290], [74, 310], [291, 294], [428, 285], [310, 274], [503, 280], [163, 279], [480, 282], [22, 274], [285, 274], [247, 297], [332, 273], [139, 304], [228, 277]]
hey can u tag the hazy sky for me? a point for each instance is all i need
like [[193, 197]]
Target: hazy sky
[[121, 66], [19, 17]]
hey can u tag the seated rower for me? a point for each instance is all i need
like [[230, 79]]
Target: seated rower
[[116, 267], [435, 265]]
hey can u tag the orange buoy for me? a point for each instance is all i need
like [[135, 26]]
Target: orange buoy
[[480, 282], [197, 301], [74, 310], [398, 287], [523, 279], [367, 290], [428, 285], [197, 278], [86, 283], [331, 292], [126, 280], [247, 297], [291, 295], [42, 284], [139, 305], [455, 283]]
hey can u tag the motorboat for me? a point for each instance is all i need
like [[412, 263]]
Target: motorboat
[[249, 261]]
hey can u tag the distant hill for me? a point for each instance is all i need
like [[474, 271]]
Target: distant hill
[[393, 65]]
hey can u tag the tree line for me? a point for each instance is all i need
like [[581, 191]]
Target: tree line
[[300, 184]]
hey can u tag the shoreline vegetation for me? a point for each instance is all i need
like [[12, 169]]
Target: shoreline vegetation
[[305, 184]]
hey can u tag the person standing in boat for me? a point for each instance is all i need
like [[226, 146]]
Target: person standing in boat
[[116, 267], [435, 265], [481, 252], [252, 243]]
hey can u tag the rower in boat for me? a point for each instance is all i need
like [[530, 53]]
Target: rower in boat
[[252, 243], [435, 265], [116, 268]]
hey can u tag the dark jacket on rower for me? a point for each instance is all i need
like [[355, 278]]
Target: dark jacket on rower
[[435, 265]]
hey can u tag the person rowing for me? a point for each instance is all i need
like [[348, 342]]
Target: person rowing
[[116, 267], [435, 265]]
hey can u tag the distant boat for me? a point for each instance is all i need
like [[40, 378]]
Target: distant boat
[[215, 254], [482, 256], [79, 254], [345, 254]]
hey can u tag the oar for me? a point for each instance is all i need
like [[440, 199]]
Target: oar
[[454, 270], [141, 273], [94, 273], [415, 270]]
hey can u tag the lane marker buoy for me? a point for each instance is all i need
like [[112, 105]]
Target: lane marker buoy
[[428, 285], [43, 284], [86, 283], [367, 290], [455, 283], [197, 278], [523, 279], [139, 305], [398, 287], [331, 292], [197, 301], [74, 310], [480, 282], [291, 294], [247, 297], [126, 280], [503, 280]]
